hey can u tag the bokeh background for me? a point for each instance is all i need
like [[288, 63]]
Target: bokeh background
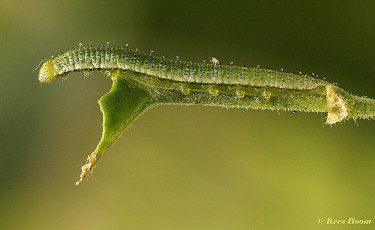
[[184, 167]]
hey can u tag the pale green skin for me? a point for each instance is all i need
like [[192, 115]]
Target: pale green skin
[[136, 88]]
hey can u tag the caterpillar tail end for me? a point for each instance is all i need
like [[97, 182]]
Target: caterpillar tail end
[[88, 167]]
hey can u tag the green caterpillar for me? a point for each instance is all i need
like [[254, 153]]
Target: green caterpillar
[[142, 80], [106, 58]]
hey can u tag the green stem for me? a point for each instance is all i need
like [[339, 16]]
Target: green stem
[[357, 107], [307, 104]]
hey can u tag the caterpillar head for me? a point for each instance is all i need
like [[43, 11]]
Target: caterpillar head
[[47, 71]]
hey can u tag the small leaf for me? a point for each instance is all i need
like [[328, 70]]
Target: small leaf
[[120, 107]]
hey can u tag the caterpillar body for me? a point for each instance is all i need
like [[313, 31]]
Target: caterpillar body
[[112, 58]]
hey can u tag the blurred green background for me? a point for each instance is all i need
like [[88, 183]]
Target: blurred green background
[[185, 167]]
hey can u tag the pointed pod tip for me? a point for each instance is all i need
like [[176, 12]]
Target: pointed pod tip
[[87, 168]]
